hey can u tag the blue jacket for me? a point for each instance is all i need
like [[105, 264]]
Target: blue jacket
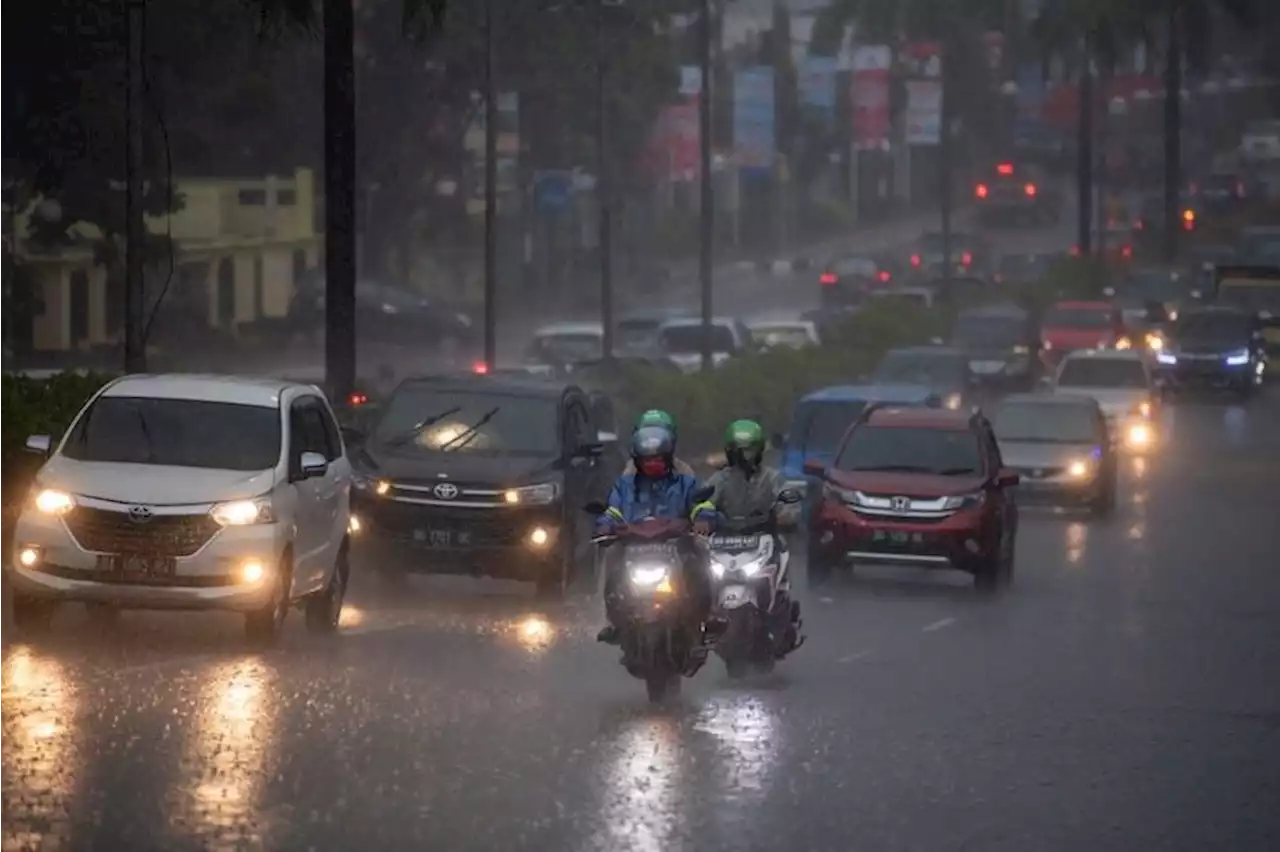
[[635, 497]]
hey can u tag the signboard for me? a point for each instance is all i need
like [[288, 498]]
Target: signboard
[[753, 121], [869, 96], [818, 83], [673, 153], [922, 63]]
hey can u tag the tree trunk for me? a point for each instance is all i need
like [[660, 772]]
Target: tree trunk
[[339, 198], [1084, 156], [1173, 136]]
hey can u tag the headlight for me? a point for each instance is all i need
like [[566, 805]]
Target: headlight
[[1155, 342], [844, 495], [953, 401], [649, 575], [240, 513], [1167, 358], [1139, 435], [1238, 359], [50, 501], [1124, 343], [532, 495], [1079, 469], [1143, 409], [975, 499]]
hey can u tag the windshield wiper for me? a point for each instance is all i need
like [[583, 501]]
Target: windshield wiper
[[463, 438], [409, 434]]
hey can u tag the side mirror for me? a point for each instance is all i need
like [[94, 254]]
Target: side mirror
[[813, 467], [790, 496], [1007, 478], [39, 444], [704, 493], [313, 465], [1108, 291], [595, 507], [607, 437]]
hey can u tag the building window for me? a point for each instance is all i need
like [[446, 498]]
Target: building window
[[286, 197], [253, 197], [79, 306], [226, 292]]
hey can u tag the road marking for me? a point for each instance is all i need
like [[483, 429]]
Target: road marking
[[938, 625], [861, 655]]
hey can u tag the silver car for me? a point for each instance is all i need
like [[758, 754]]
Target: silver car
[[1120, 381], [1060, 447]]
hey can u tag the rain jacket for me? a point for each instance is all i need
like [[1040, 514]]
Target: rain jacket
[[636, 497], [738, 496]]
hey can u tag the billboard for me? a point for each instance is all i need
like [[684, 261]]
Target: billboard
[[818, 83], [869, 96], [673, 152], [922, 63], [753, 118]]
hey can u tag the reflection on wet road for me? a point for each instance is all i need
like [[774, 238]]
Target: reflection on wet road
[[1123, 696]]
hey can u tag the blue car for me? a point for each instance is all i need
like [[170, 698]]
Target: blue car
[[821, 418]]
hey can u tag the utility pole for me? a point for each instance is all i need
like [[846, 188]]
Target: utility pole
[[135, 352], [1173, 136], [490, 189], [1084, 154], [339, 198], [707, 205], [944, 164], [604, 188]]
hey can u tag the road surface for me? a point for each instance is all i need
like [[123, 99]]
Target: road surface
[[1122, 696]]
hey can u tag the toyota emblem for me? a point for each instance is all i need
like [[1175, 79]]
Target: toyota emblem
[[140, 514], [900, 504], [446, 491]]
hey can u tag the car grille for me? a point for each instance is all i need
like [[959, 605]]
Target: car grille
[[425, 491], [105, 531]]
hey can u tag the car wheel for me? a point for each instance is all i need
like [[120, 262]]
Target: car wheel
[[32, 615], [324, 609], [263, 626], [996, 572]]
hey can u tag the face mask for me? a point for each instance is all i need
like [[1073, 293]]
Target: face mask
[[652, 467]]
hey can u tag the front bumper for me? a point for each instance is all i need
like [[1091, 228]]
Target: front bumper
[[207, 579], [956, 541], [1056, 487], [1209, 374]]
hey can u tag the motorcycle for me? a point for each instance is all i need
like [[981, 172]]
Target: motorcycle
[[660, 628], [753, 591]]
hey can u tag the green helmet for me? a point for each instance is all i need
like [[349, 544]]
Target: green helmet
[[744, 444], [657, 417]]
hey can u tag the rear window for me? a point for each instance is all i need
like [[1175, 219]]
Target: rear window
[[819, 426], [945, 452], [933, 242], [974, 331], [855, 266], [1078, 318], [687, 339], [1102, 373]]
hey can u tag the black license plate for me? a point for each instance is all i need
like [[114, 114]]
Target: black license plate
[[901, 541], [130, 566], [438, 537]]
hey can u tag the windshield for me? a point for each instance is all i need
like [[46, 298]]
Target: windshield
[[1021, 264], [637, 333], [1154, 287], [781, 335], [921, 368], [1089, 318], [518, 425], [932, 243], [985, 331], [579, 346], [687, 339], [1047, 423], [1103, 373], [855, 266], [819, 426], [951, 452], [177, 432], [1214, 326], [1253, 297]]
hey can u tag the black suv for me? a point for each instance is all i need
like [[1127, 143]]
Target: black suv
[[1214, 347], [481, 475]]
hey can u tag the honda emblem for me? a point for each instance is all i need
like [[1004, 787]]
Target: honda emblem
[[900, 504]]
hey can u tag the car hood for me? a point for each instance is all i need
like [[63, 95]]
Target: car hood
[[1112, 401], [906, 484], [1043, 453], [155, 485], [409, 465]]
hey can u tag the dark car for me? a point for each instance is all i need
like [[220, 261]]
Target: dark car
[[1150, 296], [970, 255], [1214, 347], [845, 279], [481, 475], [1025, 267], [1016, 193], [388, 314], [1002, 342], [919, 487], [1060, 447], [943, 370]]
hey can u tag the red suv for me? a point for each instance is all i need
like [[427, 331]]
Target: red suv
[[916, 486]]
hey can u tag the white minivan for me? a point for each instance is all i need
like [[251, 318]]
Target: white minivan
[[194, 492]]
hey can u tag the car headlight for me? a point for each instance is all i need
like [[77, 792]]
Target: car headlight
[[241, 513], [964, 500], [51, 501], [1139, 435], [1167, 358], [1079, 468], [1238, 359], [1155, 342], [953, 401], [1124, 343], [844, 495], [532, 495]]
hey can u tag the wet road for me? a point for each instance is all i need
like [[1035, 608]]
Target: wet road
[[1122, 696]]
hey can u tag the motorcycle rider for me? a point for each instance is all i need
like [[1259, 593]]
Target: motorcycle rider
[[746, 485], [658, 417], [657, 489]]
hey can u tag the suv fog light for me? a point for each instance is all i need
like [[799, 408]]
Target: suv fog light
[[972, 545], [538, 537], [252, 571], [29, 557]]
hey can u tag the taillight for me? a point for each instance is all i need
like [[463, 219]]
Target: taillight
[[1139, 225], [1188, 220], [1075, 251], [826, 279], [1126, 252], [884, 275], [1239, 190], [980, 190], [915, 260], [480, 368], [1030, 190], [966, 258], [357, 398], [1005, 168]]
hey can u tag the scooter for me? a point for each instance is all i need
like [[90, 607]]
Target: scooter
[[753, 591]]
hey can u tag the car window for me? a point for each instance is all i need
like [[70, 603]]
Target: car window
[[976, 330], [1078, 318], [1214, 326], [855, 266], [422, 418], [1103, 373], [306, 431], [687, 339], [819, 426], [946, 452], [1045, 423], [922, 368]]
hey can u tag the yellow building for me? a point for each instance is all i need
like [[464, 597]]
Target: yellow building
[[240, 246]]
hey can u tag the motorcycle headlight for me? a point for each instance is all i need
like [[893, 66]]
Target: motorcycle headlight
[[51, 501], [649, 576], [964, 500], [1155, 342], [1143, 409], [750, 569], [532, 495], [1124, 343], [241, 513]]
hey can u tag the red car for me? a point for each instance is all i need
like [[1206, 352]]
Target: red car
[[1068, 326], [916, 486]]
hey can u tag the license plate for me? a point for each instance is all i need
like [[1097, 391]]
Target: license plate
[[898, 538], [139, 567], [431, 537], [732, 597], [736, 543]]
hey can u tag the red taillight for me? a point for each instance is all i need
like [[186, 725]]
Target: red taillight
[[357, 398], [1030, 190], [826, 279], [884, 275], [966, 258], [1005, 168], [1126, 252], [980, 190], [1139, 225], [480, 368], [1075, 251], [915, 260]]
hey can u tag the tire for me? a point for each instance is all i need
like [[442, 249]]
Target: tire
[[324, 609], [264, 626], [736, 669], [661, 686], [31, 614], [996, 573], [102, 615]]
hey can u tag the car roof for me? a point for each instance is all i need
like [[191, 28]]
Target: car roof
[[1105, 355], [1047, 399], [779, 322], [931, 351], [581, 327], [238, 390], [502, 385], [686, 321], [920, 418], [1094, 305], [888, 392]]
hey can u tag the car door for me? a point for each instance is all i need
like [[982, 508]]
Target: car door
[[336, 491], [307, 435]]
